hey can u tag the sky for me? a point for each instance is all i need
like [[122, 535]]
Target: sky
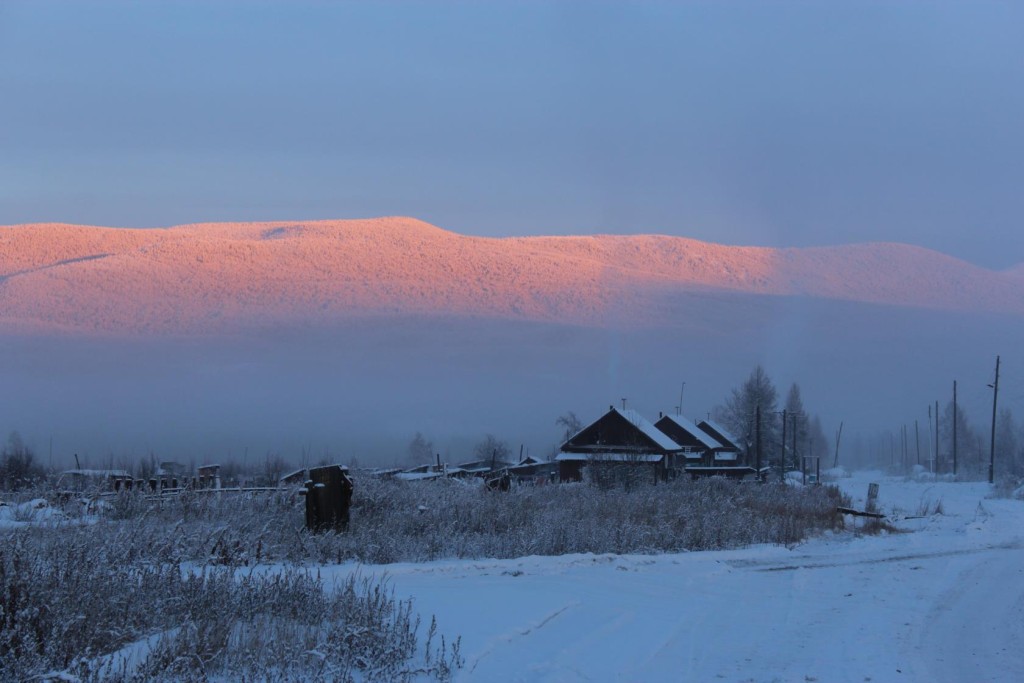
[[777, 124]]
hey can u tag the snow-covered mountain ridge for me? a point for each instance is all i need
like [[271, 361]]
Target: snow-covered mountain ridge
[[219, 277]]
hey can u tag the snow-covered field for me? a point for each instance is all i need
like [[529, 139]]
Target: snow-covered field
[[942, 602]]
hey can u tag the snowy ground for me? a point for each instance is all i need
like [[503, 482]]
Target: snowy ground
[[942, 602]]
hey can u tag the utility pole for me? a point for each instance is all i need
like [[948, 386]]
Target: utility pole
[[803, 462], [932, 468], [796, 460], [936, 470], [758, 475], [917, 441], [954, 428], [839, 435], [680, 411], [992, 453], [782, 459], [906, 447]]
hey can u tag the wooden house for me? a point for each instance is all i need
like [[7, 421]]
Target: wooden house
[[619, 441], [723, 458], [698, 446], [728, 452]]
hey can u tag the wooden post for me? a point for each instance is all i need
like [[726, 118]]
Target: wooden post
[[872, 497]]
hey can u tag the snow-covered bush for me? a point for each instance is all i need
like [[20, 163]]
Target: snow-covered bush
[[101, 602], [394, 521]]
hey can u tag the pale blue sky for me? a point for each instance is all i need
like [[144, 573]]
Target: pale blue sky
[[744, 123]]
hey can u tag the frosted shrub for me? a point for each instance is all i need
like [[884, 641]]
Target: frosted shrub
[[401, 521], [394, 521], [72, 597]]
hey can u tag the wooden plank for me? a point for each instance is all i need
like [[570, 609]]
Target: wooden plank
[[860, 513]]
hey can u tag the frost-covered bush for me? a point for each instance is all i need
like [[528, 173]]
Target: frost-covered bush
[[394, 521], [98, 602]]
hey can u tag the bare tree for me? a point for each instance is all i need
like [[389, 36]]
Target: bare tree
[[738, 414], [570, 425], [274, 467], [969, 446], [492, 448], [1008, 443], [18, 468], [421, 451]]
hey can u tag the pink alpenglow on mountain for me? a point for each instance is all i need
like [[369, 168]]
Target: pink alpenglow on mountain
[[222, 277]]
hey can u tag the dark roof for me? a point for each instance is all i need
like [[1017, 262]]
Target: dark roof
[[728, 441], [621, 431], [685, 432]]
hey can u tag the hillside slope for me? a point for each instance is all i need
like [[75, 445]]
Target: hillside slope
[[212, 278]]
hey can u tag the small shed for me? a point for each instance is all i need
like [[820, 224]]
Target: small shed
[[94, 481], [208, 477], [293, 478], [533, 471], [482, 468]]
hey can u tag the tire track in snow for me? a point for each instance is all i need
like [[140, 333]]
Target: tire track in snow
[[760, 566], [512, 637], [973, 631]]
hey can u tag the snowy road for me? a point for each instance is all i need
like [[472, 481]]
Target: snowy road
[[943, 602], [975, 631]]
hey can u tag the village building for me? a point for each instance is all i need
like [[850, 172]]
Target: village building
[[429, 472], [208, 477], [728, 452], [482, 468], [618, 441], [295, 478], [698, 446], [530, 470], [725, 459], [94, 481]]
